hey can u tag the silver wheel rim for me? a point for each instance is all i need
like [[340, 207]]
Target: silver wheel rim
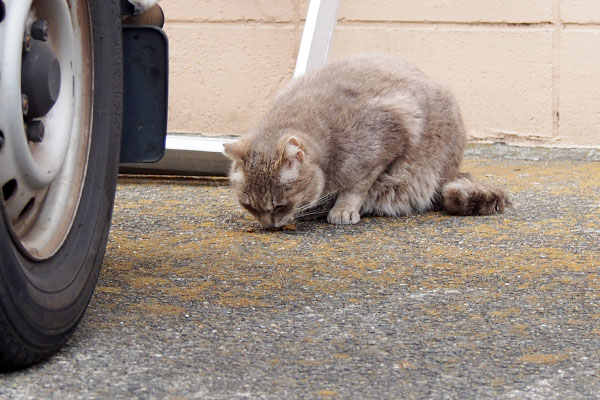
[[42, 182]]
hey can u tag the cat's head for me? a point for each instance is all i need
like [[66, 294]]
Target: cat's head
[[272, 180]]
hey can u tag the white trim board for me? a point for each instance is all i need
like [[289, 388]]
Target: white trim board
[[187, 155]]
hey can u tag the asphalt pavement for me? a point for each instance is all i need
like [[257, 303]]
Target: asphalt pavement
[[195, 302]]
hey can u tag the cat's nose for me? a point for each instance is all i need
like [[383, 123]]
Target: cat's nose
[[283, 221], [266, 221]]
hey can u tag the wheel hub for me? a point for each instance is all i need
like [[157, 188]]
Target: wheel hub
[[40, 78], [46, 88]]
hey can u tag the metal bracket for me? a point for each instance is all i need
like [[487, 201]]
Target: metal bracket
[[146, 74]]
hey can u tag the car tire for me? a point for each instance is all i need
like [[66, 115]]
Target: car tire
[[43, 296]]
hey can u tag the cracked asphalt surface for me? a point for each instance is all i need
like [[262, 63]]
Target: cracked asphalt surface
[[190, 304]]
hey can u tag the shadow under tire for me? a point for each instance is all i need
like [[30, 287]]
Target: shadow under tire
[[42, 299]]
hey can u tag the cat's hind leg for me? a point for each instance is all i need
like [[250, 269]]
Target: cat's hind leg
[[466, 196]]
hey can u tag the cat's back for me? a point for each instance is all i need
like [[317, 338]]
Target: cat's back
[[359, 77], [332, 103]]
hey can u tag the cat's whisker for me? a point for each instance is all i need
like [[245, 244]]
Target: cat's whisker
[[307, 206], [321, 200], [308, 212], [302, 216], [311, 212], [313, 206]]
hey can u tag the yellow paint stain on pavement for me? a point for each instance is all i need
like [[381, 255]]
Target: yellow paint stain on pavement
[[583, 177], [292, 266], [520, 329], [342, 356], [407, 365], [108, 289], [144, 281], [326, 393], [508, 312], [542, 358]]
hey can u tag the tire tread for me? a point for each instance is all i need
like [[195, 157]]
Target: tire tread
[[14, 354]]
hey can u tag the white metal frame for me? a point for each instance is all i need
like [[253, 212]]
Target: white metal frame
[[203, 156], [316, 36]]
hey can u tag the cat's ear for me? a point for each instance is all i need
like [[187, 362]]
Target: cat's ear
[[293, 149], [236, 151], [292, 158]]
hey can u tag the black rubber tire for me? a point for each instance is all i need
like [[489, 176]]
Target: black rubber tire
[[35, 323]]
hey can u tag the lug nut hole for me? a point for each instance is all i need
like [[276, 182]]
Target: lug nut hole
[[27, 208], [9, 188]]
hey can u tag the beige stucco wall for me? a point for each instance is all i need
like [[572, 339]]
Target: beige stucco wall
[[525, 72]]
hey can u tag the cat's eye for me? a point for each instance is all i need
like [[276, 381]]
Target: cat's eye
[[249, 208], [280, 208]]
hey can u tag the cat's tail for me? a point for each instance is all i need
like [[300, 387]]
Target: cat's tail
[[466, 196]]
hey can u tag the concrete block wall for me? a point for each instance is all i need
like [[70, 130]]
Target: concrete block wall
[[525, 72]]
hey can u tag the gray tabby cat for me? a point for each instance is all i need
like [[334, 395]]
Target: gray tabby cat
[[364, 136]]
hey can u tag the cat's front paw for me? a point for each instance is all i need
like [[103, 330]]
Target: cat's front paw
[[340, 216]]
